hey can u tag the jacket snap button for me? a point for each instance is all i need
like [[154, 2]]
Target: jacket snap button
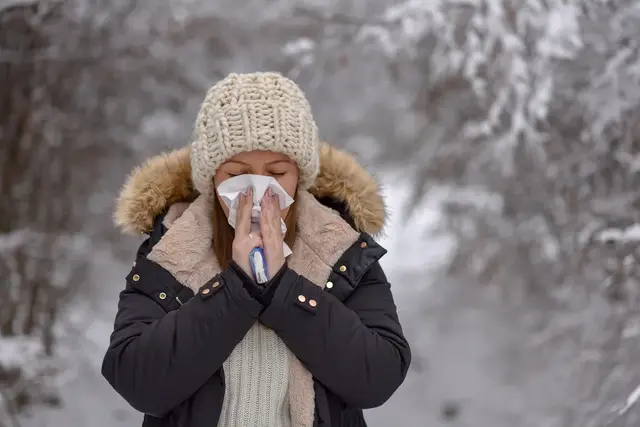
[[136, 277], [206, 291], [215, 284], [363, 245], [162, 295], [302, 298], [329, 285], [343, 268], [313, 303]]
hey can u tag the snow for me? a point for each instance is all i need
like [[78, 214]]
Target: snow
[[87, 399], [73, 248], [562, 35], [302, 45], [4, 4], [13, 240], [19, 352], [633, 398], [414, 18], [408, 239], [39, 374], [157, 124], [76, 243], [622, 235]]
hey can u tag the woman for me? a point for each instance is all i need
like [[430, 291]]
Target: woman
[[196, 341]]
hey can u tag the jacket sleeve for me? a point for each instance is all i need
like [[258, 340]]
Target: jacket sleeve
[[158, 359], [356, 348]]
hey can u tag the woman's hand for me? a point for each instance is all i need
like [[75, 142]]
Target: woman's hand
[[244, 242], [271, 232]]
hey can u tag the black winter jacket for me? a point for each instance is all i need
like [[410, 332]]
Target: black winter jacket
[[168, 345]]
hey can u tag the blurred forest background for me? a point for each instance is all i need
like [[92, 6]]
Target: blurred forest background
[[512, 126]]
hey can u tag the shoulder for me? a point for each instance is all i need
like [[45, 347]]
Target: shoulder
[[161, 223], [148, 280], [364, 252]]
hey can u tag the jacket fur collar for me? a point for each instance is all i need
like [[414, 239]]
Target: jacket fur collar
[[165, 180]]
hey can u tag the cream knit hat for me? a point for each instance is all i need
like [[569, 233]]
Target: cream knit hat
[[258, 111]]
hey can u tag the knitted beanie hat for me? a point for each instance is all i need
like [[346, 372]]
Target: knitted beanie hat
[[258, 111]]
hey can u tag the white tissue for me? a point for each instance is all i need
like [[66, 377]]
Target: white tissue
[[231, 189]]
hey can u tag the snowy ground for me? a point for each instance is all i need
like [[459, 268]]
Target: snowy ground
[[468, 349]]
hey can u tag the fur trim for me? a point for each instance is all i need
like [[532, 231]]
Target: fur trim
[[151, 188], [165, 179], [342, 178]]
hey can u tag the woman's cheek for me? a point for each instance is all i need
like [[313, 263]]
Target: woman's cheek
[[289, 184]]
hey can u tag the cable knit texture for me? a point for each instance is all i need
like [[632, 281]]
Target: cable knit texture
[[258, 111], [257, 382]]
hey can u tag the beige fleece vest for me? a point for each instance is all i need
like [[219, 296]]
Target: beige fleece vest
[[322, 237]]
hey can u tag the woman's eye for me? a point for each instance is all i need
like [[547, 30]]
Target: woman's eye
[[278, 173]]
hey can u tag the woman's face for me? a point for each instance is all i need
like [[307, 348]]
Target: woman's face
[[257, 162]]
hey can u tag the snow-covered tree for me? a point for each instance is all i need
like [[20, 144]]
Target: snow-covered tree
[[523, 116], [75, 78]]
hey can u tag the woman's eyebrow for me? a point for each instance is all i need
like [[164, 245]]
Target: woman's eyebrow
[[279, 161]]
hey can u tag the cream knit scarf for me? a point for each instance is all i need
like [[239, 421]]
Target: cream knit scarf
[[322, 237]]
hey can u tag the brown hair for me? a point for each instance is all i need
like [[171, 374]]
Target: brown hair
[[224, 233]]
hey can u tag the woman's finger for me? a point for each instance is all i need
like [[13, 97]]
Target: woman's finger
[[264, 203], [270, 223], [271, 212], [243, 215], [275, 203], [264, 221], [272, 203]]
